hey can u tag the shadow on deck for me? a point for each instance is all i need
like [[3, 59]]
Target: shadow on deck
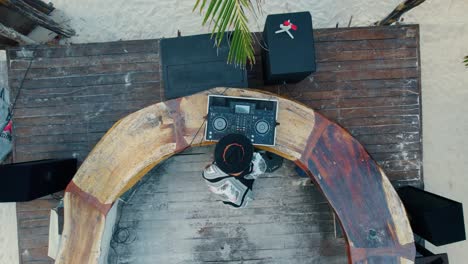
[[172, 217]]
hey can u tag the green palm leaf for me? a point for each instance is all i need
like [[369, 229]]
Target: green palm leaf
[[466, 61], [230, 15]]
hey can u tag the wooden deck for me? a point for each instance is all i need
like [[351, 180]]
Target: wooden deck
[[367, 80], [171, 217]]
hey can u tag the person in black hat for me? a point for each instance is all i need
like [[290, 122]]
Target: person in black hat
[[234, 170]]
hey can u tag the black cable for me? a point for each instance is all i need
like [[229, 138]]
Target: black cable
[[13, 105], [120, 235], [56, 197]]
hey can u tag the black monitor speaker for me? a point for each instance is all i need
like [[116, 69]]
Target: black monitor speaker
[[290, 56], [27, 181], [435, 218]]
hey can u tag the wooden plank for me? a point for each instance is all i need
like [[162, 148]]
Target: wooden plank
[[270, 226], [42, 204], [365, 33], [89, 49], [311, 85], [364, 65], [98, 98], [70, 153], [89, 80], [84, 61], [38, 17], [35, 255], [357, 55], [383, 129], [377, 100], [351, 103], [382, 233], [60, 139], [90, 236], [390, 138], [53, 72], [33, 229], [114, 89], [381, 111], [366, 75], [12, 34], [376, 121], [82, 108], [358, 93], [366, 44]]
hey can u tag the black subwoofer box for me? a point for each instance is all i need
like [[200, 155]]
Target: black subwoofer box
[[193, 64], [27, 181], [288, 60], [435, 218]]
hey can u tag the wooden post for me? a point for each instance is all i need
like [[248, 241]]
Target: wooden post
[[37, 17], [14, 35], [402, 8], [41, 6]]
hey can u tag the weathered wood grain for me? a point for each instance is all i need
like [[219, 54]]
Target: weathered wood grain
[[37, 17], [93, 49], [362, 197], [174, 219], [84, 243], [388, 104]]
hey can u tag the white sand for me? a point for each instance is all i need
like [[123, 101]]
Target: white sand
[[444, 41], [109, 20], [8, 229], [8, 234]]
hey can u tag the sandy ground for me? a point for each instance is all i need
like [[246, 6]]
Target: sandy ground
[[8, 222], [107, 20], [444, 38], [8, 234]]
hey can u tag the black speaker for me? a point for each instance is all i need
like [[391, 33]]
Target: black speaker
[[273, 161], [436, 259], [193, 64], [290, 56], [21, 182], [435, 218], [424, 256]]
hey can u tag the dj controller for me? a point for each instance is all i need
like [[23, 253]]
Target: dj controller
[[252, 117]]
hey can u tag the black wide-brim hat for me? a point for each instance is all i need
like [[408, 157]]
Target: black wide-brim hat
[[233, 153]]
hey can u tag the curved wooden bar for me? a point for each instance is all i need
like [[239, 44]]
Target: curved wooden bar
[[372, 216]]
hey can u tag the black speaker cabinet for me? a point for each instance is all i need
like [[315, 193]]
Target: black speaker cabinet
[[424, 256], [193, 64], [290, 56], [435, 218], [27, 181]]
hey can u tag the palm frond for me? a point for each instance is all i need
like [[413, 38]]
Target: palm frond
[[230, 15], [466, 61]]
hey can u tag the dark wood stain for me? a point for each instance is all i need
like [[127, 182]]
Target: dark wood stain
[[179, 124], [346, 172], [88, 199]]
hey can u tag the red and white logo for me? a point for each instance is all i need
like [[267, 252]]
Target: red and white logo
[[286, 27]]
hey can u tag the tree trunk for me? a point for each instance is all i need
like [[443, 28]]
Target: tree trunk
[[402, 8], [14, 35], [37, 17]]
